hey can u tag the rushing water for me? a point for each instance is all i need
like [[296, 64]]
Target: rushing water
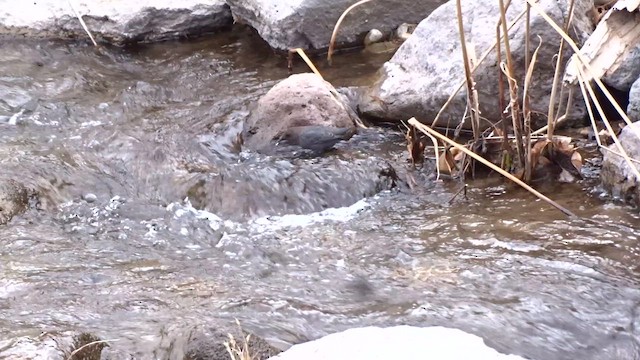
[[114, 249]]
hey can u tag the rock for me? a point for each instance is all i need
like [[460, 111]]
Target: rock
[[399, 342], [115, 21], [616, 175], [14, 200], [270, 186], [53, 346], [298, 101], [308, 24], [633, 109], [373, 36], [428, 67], [208, 344]]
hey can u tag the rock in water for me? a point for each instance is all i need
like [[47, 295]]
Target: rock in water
[[114, 20], [428, 67], [302, 109], [616, 174], [399, 342], [308, 24], [14, 199]]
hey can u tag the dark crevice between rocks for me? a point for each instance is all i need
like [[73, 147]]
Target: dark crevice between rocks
[[621, 97]]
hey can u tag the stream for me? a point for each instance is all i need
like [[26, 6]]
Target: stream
[[116, 247]]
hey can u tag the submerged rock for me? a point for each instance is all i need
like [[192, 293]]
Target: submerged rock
[[208, 344], [616, 174], [14, 199], [115, 21], [308, 24], [399, 342], [304, 110], [428, 67], [269, 186]]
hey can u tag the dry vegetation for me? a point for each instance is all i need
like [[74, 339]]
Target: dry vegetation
[[522, 151]]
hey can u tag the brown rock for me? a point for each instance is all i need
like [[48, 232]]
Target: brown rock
[[298, 101]]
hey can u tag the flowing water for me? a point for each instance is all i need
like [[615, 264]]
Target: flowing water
[[113, 248]]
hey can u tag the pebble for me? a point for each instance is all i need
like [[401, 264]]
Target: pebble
[[90, 198]]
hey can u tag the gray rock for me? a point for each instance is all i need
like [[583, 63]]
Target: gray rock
[[629, 70], [298, 101], [633, 109], [616, 174], [308, 23], [428, 67], [14, 199], [114, 20]]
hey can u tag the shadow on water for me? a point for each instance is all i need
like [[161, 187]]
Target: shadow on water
[[111, 139]]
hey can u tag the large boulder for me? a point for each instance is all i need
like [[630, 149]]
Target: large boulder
[[428, 67], [617, 176], [399, 342], [298, 102], [308, 24], [113, 20]]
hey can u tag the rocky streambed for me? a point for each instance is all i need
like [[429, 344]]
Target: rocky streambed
[[138, 220]]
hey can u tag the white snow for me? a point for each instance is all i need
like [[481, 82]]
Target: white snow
[[396, 343]]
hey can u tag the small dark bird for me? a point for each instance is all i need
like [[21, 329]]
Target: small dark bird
[[316, 138]]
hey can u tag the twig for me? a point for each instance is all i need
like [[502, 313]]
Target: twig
[[87, 345], [462, 189], [426, 129], [82, 23], [334, 34]]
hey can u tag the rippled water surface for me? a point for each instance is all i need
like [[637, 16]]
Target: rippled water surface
[[110, 137]]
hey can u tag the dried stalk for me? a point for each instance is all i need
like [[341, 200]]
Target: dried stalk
[[527, 115], [513, 86], [70, 357], [472, 95], [479, 158], [82, 23], [551, 116], [334, 34], [625, 156], [480, 61]]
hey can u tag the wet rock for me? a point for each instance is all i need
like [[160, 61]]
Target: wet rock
[[428, 67], [633, 109], [309, 23], [399, 342], [14, 199], [296, 109], [616, 174], [268, 186], [114, 20], [208, 344], [53, 346]]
